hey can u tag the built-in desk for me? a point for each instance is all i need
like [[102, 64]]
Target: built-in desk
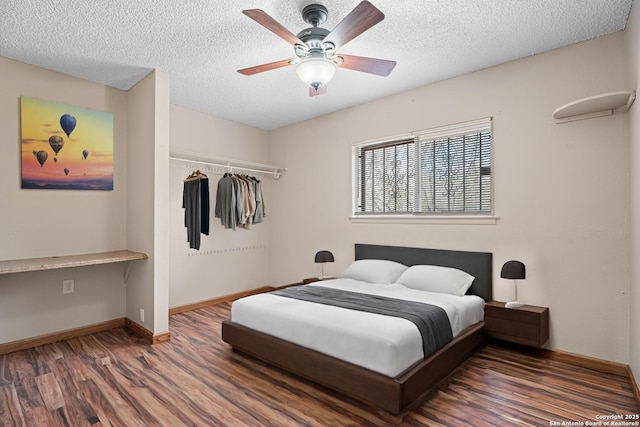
[[69, 261]]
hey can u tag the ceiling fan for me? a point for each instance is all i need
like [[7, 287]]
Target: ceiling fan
[[316, 48]]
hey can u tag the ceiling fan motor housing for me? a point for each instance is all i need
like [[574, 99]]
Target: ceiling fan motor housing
[[313, 37], [315, 14]]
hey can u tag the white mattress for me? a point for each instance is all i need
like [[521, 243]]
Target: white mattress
[[384, 344]]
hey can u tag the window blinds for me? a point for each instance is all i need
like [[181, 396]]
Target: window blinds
[[446, 170]]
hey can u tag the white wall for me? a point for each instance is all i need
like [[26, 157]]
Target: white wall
[[632, 38], [228, 261], [41, 223], [561, 193], [147, 201], [160, 212], [560, 190], [136, 215]]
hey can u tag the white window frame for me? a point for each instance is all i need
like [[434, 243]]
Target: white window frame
[[441, 132]]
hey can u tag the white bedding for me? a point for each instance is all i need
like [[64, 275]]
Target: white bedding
[[384, 344]]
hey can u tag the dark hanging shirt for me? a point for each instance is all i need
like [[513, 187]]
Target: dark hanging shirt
[[195, 201]]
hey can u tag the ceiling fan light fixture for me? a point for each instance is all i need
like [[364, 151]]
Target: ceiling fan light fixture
[[316, 48], [315, 71]]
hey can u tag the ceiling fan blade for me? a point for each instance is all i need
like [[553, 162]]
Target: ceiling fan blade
[[363, 17], [315, 92], [261, 17], [265, 67], [380, 67]]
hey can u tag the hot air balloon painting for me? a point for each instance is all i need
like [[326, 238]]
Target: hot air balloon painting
[[67, 123], [42, 157], [56, 142], [77, 139]]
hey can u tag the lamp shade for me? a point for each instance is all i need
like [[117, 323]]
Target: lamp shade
[[513, 270], [315, 71], [324, 256]]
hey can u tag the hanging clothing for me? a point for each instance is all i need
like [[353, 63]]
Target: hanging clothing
[[226, 202], [257, 189], [249, 200], [205, 206], [264, 209], [195, 201], [239, 201], [239, 212]]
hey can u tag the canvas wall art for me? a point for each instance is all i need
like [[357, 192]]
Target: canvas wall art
[[65, 147]]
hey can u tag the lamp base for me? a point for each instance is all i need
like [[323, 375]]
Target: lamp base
[[513, 304]]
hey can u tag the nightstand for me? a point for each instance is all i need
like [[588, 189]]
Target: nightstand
[[527, 325]]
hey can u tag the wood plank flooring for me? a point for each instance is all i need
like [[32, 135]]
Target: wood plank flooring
[[114, 379]]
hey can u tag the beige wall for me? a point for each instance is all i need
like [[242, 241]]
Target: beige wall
[[57, 222], [43, 223], [143, 212], [560, 189], [147, 200], [561, 194], [228, 261], [632, 37], [39, 223]]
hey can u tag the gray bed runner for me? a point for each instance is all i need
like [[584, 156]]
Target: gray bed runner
[[431, 320]]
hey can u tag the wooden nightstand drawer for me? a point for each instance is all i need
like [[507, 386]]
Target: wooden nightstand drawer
[[522, 315], [521, 333], [528, 325]]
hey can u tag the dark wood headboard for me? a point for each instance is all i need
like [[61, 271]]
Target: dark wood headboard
[[478, 264]]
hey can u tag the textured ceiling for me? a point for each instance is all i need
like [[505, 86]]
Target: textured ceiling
[[201, 44]]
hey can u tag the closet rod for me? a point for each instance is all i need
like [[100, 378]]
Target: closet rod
[[224, 162]]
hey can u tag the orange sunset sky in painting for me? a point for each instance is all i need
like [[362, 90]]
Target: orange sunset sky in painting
[[40, 120]]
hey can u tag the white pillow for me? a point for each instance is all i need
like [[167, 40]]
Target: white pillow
[[434, 278], [374, 271]]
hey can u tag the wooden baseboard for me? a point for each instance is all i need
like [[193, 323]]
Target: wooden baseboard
[[28, 343], [218, 300], [146, 334], [588, 362], [634, 386], [138, 330]]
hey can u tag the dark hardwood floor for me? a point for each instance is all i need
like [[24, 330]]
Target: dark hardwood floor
[[113, 379]]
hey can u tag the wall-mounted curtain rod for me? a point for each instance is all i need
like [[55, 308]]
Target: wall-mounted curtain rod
[[224, 162]]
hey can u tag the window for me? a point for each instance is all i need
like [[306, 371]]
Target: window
[[443, 171]]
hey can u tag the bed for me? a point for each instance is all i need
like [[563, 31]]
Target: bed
[[393, 387]]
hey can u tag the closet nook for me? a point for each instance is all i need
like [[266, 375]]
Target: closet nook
[[239, 197]]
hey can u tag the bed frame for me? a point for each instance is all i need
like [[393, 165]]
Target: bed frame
[[394, 395]]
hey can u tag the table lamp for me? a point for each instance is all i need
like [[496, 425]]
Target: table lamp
[[513, 270], [322, 257]]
